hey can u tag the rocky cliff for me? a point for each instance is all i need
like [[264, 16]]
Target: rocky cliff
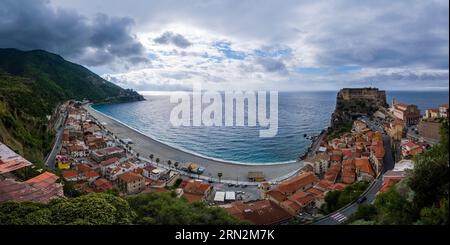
[[354, 102]]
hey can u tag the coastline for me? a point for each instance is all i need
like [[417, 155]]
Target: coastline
[[179, 148], [232, 171]]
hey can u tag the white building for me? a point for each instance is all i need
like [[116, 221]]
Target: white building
[[230, 196], [219, 196]]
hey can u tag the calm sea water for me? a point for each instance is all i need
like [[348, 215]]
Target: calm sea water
[[299, 113]]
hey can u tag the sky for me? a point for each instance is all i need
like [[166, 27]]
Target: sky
[[284, 45]]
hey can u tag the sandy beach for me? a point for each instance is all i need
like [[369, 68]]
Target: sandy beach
[[145, 146]]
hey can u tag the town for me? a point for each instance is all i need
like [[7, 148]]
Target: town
[[376, 152]]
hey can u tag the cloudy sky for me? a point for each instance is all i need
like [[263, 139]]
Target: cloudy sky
[[249, 44]]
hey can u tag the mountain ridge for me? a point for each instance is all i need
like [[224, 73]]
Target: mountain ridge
[[32, 84]]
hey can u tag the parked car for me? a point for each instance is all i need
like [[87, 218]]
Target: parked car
[[361, 199]]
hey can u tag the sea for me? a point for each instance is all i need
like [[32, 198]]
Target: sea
[[299, 114]]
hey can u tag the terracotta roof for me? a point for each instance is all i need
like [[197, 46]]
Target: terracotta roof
[[411, 145], [91, 174], [191, 198], [43, 179], [316, 192], [276, 195], [348, 171], [68, 174], [302, 198], [109, 161], [262, 212], [338, 186], [196, 187], [297, 182], [139, 171], [378, 149], [11, 161], [130, 177], [102, 184], [335, 158], [332, 172], [324, 184], [387, 184], [83, 167], [363, 165], [292, 205], [39, 190], [347, 153]]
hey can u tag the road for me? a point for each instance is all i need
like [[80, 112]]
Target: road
[[316, 144], [50, 160], [342, 215]]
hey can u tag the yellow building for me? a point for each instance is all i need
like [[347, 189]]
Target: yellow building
[[63, 165]]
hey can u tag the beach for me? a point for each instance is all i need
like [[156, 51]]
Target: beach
[[145, 145]]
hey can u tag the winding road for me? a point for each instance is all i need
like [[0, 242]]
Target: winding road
[[342, 214], [50, 160]]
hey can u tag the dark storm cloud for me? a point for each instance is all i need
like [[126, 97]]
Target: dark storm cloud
[[173, 38], [35, 24], [407, 34]]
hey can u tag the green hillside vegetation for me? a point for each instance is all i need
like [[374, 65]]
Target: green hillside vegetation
[[335, 200], [420, 198], [165, 208], [345, 112], [32, 85], [107, 209]]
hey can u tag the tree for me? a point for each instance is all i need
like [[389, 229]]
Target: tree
[[169, 163], [335, 200], [176, 164], [220, 176], [94, 209], [151, 157], [137, 155], [435, 215], [331, 202], [366, 212], [394, 209], [167, 209], [157, 161], [69, 189], [430, 178]]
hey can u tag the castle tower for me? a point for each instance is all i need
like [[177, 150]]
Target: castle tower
[[394, 101]]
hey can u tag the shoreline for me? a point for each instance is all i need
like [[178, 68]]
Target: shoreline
[[178, 148], [146, 145]]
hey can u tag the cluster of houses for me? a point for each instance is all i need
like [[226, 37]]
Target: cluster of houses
[[96, 161], [426, 128], [412, 134], [355, 156]]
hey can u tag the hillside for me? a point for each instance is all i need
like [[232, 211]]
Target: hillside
[[32, 84]]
